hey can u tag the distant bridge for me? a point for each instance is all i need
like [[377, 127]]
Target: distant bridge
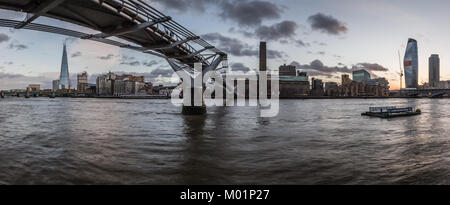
[[434, 93], [144, 28]]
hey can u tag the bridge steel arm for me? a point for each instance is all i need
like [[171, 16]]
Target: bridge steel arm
[[214, 64], [39, 11]]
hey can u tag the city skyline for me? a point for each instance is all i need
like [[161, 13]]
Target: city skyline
[[320, 37]]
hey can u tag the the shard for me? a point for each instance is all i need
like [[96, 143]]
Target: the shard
[[411, 62], [64, 75]]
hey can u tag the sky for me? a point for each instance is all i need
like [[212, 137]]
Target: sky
[[326, 38]]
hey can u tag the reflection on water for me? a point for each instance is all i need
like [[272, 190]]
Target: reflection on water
[[105, 141]]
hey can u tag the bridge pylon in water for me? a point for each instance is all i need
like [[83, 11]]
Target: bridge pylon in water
[[193, 82]]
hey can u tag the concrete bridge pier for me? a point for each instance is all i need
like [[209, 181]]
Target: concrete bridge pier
[[193, 101], [191, 105]]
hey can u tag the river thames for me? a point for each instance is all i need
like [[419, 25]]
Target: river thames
[[113, 141]]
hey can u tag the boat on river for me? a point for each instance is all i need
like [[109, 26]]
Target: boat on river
[[390, 112]]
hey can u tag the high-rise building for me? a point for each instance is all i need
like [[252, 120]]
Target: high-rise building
[[262, 56], [434, 70], [112, 84], [105, 84], [287, 70], [345, 79], [64, 75], [317, 87], [411, 63], [361, 76], [82, 82], [328, 85], [55, 84]]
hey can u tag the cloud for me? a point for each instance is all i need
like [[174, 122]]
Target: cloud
[[238, 48], [282, 30], [183, 5], [161, 72], [249, 13], [10, 76], [8, 63], [243, 12], [129, 60], [317, 65], [371, 67], [301, 43], [239, 67], [76, 54], [150, 63], [12, 15], [17, 46], [107, 57], [337, 56], [4, 38], [20, 81], [317, 68], [327, 24], [319, 43]]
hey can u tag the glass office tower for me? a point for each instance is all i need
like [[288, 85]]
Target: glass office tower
[[411, 62], [64, 75]]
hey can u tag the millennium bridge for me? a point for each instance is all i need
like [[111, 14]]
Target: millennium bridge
[[142, 27]]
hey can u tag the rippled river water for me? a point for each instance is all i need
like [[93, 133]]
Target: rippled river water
[[109, 141]]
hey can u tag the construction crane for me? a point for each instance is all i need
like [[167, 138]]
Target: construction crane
[[401, 70]]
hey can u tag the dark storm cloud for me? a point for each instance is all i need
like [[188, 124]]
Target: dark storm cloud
[[107, 57], [243, 12], [239, 67], [327, 24], [272, 54], [282, 30], [76, 54], [4, 38], [249, 13], [238, 48]]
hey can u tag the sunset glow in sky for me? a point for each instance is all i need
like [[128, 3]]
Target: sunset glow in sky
[[324, 37]]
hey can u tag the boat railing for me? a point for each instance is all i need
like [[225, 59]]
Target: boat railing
[[380, 109], [398, 110]]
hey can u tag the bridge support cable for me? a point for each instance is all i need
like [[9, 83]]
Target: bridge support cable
[[195, 53], [132, 29], [39, 11], [173, 45]]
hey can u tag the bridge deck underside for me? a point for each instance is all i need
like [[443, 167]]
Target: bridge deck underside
[[110, 15]]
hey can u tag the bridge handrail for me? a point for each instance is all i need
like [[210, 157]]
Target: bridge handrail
[[144, 10]]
